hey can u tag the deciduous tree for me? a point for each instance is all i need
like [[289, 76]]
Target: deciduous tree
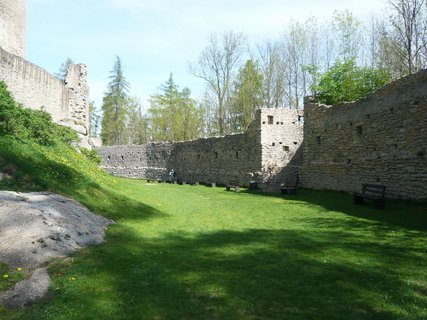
[[217, 66]]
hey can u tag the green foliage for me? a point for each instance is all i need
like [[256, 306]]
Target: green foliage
[[95, 119], [346, 82], [174, 115], [167, 238], [115, 108], [137, 124], [27, 124], [92, 155], [247, 97]]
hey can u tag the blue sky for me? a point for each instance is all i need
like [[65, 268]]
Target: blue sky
[[156, 37]]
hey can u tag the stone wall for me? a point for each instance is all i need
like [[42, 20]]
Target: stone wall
[[274, 134], [13, 25], [35, 88], [381, 139], [281, 141]]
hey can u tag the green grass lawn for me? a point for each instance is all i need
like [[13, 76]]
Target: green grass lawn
[[187, 252]]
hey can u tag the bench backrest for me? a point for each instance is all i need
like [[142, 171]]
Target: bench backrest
[[373, 189], [234, 183]]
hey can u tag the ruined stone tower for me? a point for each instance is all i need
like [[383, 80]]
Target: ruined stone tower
[[12, 26]]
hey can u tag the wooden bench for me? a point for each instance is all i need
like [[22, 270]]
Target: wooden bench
[[211, 184], [193, 183], [290, 187], [374, 192], [233, 184], [253, 185]]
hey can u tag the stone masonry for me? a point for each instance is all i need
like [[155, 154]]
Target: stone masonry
[[34, 87], [275, 134], [381, 139], [12, 26]]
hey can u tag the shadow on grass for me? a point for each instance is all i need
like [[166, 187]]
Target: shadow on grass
[[35, 172], [397, 213], [256, 274]]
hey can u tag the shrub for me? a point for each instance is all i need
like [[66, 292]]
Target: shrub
[[346, 82], [27, 124], [92, 155]]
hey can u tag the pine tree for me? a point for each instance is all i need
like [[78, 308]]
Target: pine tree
[[115, 107]]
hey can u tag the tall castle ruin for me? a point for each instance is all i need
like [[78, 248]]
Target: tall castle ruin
[[13, 25], [34, 87]]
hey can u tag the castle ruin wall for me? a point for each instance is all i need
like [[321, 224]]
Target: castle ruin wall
[[219, 160], [32, 86], [274, 134], [381, 139], [13, 26], [281, 143], [35, 88]]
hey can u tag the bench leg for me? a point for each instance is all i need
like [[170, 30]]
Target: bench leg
[[358, 200], [378, 204]]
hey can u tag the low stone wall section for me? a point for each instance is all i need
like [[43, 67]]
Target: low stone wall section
[[219, 160], [271, 143]]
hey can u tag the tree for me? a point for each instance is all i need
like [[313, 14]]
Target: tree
[[95, 120], [136, 128], [217, 65], [173, 114], [346, 82], [247, 96], [409, 32], [296, 49], [273, 73], [347, 29], [115, 107], [63, 70]]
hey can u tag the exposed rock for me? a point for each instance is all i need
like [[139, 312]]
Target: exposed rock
[[27, 291], [35, 227]]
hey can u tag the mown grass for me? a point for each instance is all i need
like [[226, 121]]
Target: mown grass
[[186, 252]]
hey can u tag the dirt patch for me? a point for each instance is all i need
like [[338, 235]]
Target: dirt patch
[[35, 227]]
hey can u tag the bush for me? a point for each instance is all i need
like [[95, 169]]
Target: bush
[[346, 82], [92, 155], [33, 125]]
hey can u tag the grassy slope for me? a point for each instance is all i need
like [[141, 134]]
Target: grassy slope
[[184, 252]]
